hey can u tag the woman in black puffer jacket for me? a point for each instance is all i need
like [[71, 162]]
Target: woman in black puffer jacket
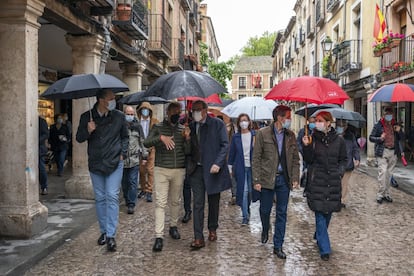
[[326, 156]]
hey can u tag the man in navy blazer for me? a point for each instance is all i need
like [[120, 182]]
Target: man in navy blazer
[[207, 170]]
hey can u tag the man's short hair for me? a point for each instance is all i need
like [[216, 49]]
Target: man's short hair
[[280, 110], [388, 110], [102, 93], [173, 105], [203, 103]]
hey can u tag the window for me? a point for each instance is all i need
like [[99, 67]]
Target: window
[[241, 96], [242, 82]]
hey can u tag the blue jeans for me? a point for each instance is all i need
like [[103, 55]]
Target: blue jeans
[[129, 185], [106, 189], [246, 192], [322, 222], [266, 202], [42, 173], [60, 157]]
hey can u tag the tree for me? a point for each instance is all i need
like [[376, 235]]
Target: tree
[[261, 46]]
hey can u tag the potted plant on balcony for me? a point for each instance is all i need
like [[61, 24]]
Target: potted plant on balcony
[[123, 10], [382, 47], [395, 39]]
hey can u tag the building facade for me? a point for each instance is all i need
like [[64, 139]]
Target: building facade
[[347, 26]]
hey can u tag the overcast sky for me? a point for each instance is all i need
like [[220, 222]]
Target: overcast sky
[[235, 21]]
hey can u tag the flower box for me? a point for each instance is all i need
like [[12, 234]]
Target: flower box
[[395, 43]]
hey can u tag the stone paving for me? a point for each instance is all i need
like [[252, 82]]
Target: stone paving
[[366, 238]]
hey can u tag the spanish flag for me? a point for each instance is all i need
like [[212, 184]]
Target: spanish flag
[[379, 24]]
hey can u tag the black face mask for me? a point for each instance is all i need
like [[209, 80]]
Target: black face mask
[[174, 118]]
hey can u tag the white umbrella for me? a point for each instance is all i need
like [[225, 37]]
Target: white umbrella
[[257, 108]]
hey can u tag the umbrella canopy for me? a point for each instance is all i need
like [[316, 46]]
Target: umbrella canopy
[[82, 86], [308, 89], [312, 108], [185, 83], [224, 103], [257, 108], [396, 92], [139, 97], [353, 118], [213, 98]]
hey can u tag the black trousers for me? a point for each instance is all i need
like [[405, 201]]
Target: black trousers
[[199, 193], [187, 194]]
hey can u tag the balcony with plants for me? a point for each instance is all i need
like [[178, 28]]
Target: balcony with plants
[[390, 41], [131, 17], [399, 61]]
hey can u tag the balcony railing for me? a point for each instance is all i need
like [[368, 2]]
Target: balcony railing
[[319, 14], [332, 5], [193, 16], [348, 56], [309, 28], [137, 25], [177, 60], [159, 43], [399, 62], [186, 5], [315, 70]]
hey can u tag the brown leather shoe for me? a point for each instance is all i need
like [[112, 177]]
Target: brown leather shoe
[[197, 244], [212, 235]]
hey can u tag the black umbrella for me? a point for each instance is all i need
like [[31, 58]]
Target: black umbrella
[[139, 97], [185, 83], [82, 86], [353, 118], [312, 108]]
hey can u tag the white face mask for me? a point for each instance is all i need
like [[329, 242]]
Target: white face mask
[[129, 118], [320, 126], [197, 116], [111, 105], [244, 124]]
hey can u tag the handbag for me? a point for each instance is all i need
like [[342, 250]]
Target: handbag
[[404, 162]]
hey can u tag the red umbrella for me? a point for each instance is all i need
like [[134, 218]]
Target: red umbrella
[[396, 92], [213, 98], [308, 89]]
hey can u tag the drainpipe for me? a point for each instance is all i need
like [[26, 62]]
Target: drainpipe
[[107, 44]]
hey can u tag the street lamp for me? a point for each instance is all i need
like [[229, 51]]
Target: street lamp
[[327, 44]]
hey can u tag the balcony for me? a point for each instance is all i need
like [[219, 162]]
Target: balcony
[[319, 14], [348, 56], [315, 70], [309, 28], [159, 43], [186, 5], [193, 16], [136, 26], [332, 5], [399, 63], [177, 61]]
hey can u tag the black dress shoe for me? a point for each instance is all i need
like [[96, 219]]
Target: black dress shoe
[[187, 217], [379, 200], [157, 245], [130, 209], [111, 244], [387, 198], [174, 233], [265, 237], [102, 239], [279, 253], [325, 257]]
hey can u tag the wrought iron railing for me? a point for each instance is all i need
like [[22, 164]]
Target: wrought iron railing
[[309, 27], [400, 61], [319, 14], [348, 56], [177, 61], [315, 70], [160, 36]]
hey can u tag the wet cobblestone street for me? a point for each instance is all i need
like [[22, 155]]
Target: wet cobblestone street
[[366, 239]]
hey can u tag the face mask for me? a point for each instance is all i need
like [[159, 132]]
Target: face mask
[[174, 118], [320, 126], [388, 118], [197, 116], [111, 105], [145, 112], [59, 120], [129, 118], [311, 126], [339, 130], [244, 125], [286, 123]]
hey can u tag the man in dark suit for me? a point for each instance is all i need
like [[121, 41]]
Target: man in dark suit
[[207, 170]]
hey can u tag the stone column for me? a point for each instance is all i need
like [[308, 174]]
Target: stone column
[[86, 52], [132, 75], [373, 115], [21, 213]]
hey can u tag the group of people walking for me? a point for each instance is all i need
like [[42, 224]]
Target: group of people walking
[[265, 164]]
